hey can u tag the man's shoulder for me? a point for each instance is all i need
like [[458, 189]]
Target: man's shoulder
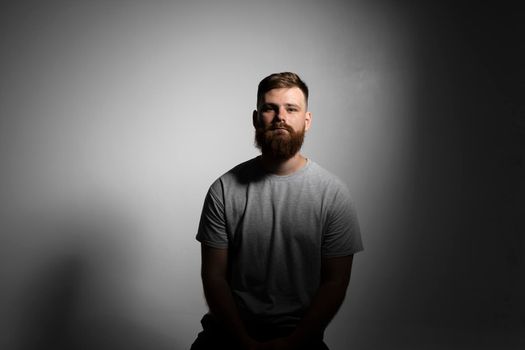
[[325, 176], [252, 172], [243, 173], [245, 168]]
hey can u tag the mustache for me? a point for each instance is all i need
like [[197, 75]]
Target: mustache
[[279, 126]]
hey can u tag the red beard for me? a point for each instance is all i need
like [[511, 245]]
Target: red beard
[[280, 146]]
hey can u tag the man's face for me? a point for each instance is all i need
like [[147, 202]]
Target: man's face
[[281, 122]]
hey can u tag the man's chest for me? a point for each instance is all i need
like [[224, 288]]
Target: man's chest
[[276, 214]]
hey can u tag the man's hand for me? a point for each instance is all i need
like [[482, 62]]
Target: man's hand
[[286, 343]]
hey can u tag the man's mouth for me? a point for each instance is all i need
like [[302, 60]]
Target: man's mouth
[[280, 130], [281, 127]]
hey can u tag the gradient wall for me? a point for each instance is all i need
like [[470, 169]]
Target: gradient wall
[[116, 116]]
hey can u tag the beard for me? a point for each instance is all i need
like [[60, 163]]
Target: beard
[[282, 146]]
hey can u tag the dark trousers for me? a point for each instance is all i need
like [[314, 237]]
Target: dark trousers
[[214, 336]]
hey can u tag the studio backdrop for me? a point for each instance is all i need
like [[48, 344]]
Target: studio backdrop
[[116, 116]]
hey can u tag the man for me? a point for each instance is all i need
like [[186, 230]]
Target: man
[[277, 234]]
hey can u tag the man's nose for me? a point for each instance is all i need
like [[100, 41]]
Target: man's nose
[[280, 113]]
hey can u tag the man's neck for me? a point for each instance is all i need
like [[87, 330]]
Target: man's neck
[[283, 167]]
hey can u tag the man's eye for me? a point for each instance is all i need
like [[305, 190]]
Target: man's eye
[[292, 110]]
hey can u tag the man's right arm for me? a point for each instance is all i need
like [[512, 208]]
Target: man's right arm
[[219, 296]]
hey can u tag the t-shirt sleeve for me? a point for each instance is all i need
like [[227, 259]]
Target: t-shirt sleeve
[[212, 226], [342, 235]]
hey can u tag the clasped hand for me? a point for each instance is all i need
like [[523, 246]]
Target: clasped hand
[[285, 343]]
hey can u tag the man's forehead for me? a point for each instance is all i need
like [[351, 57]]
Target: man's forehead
[[285, 95]]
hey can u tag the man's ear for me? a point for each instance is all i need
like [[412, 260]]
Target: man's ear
[[255, 118], [307, 121]]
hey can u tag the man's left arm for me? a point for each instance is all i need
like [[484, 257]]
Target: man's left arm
[[335, 276]]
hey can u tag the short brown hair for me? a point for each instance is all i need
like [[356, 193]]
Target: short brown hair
[[278, 81]]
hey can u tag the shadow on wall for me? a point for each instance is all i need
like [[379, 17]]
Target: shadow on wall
[[67, 287]]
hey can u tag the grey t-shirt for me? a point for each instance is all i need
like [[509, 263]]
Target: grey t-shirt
[[277, 229]]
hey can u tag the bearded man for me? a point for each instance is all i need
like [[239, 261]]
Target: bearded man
[[278, 234]]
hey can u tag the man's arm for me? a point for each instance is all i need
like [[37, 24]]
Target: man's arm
[[218, 293], [335, 275]]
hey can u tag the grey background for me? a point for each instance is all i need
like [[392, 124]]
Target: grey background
[[117, 115]]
